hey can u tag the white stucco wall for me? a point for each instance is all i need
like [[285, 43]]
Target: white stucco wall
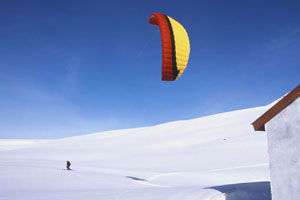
[[284, 152]]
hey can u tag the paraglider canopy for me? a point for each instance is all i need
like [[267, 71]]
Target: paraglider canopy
[[175, 46]]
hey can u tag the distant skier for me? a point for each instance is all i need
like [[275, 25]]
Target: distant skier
[[68, 165]]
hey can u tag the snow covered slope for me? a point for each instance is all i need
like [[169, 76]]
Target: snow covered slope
[[187, 160]]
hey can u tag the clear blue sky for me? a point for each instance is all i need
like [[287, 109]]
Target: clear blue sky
[[70, 67]]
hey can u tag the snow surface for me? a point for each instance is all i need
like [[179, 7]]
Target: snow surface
[[216, 157], [284, 138]]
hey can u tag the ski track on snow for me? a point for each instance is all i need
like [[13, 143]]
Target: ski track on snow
[[239, 167]]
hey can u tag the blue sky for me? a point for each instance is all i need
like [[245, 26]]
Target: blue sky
[[77, 67]]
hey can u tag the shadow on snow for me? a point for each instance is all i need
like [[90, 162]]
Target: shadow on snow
[[245, 191], [135, 178]]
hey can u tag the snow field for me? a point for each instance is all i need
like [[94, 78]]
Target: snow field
[[176, 160]]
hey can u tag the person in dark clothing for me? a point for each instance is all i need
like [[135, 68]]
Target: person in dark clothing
[[68, 165]]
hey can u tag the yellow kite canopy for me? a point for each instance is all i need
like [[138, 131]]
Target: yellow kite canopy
[[175, 46]]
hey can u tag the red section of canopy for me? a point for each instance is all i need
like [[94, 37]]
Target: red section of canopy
[[161, 21]]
